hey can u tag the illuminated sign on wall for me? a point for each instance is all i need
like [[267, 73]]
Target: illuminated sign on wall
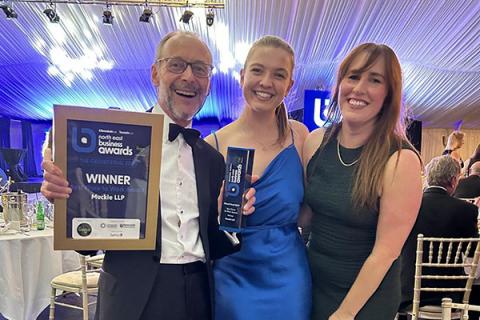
[[315, 108]]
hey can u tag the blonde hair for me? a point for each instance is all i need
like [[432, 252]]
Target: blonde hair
[[455, 140], [389, 131], [281, 110]]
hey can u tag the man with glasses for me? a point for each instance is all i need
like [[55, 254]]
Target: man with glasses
[[173, 282]]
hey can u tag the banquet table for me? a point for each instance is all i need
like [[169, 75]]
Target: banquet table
[[27, 264]]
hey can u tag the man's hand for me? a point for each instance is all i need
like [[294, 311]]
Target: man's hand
[[54, 185]]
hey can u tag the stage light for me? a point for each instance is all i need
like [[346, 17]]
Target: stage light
[[8, 10], [145, 17], [107, 16], [210, 18], [51, 14], [186, 16]]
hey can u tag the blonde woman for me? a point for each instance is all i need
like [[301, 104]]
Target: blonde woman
[[269, 277], [454, 143]]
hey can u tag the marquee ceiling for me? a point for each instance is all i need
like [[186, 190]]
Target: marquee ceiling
[[80, 61]]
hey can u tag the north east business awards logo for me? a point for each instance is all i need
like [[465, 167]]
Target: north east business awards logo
[[84, 141]]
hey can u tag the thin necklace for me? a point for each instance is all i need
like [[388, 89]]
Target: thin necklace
[[340, 157]]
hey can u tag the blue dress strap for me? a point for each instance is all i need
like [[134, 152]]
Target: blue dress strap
[[216, 141]]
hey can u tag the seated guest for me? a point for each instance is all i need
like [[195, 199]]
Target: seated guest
[[470, 161], [469, 187], [440, 215]]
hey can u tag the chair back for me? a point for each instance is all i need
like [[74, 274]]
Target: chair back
[[83, 281], [447, 306], [444, 262], [95, 262]]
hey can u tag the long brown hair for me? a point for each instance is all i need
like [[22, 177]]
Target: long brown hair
[[281, 110], [389, 131]]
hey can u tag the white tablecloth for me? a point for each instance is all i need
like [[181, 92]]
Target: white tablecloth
[[27, 265]]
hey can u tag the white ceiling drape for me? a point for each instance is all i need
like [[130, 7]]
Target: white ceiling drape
[[80, 61]]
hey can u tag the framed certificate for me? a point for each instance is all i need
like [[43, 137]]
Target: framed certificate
[[111, 159]]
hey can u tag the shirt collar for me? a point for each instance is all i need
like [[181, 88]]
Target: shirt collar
[[437, 187], [166, 121]]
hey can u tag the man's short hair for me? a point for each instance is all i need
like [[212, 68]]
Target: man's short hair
[[440, 171], [170, 35]]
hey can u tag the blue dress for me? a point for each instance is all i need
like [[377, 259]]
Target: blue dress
[[269, 277]]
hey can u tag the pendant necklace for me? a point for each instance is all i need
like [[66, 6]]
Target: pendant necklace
[[340, 157]]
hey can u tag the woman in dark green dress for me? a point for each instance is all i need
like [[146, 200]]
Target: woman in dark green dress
[[364, 191]]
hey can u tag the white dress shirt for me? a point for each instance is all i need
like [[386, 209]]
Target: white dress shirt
[[437, 187], [181, 241]]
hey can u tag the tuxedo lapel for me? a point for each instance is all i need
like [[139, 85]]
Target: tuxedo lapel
[[158, 247]]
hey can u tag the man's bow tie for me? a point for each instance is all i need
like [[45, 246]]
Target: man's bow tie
[[190, 135]]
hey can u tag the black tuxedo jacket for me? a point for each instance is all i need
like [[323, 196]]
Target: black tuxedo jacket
[[468, 187], [128, 276], [440, 215]]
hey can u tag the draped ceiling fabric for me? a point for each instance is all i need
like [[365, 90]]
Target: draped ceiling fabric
[[80, 61]]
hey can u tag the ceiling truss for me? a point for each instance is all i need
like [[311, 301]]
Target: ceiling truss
[[219, 4]]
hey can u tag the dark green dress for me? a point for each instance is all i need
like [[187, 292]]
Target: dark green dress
[[342, 238]]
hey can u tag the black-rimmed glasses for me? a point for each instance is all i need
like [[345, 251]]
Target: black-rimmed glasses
[[178, 66]]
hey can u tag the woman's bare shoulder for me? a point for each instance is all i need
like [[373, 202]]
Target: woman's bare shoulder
[[299, 128], [312, 143], [221, 134]]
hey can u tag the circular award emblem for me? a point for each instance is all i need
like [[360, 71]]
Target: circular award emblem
[[84, 229]]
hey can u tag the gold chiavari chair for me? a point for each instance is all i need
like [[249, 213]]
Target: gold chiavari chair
[[83, 282], [95, 261]]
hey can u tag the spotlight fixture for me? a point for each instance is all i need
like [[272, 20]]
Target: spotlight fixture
[[210, 17], [8, 10], [186, 16], [145, 17], [51, 14], [107, 17]]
